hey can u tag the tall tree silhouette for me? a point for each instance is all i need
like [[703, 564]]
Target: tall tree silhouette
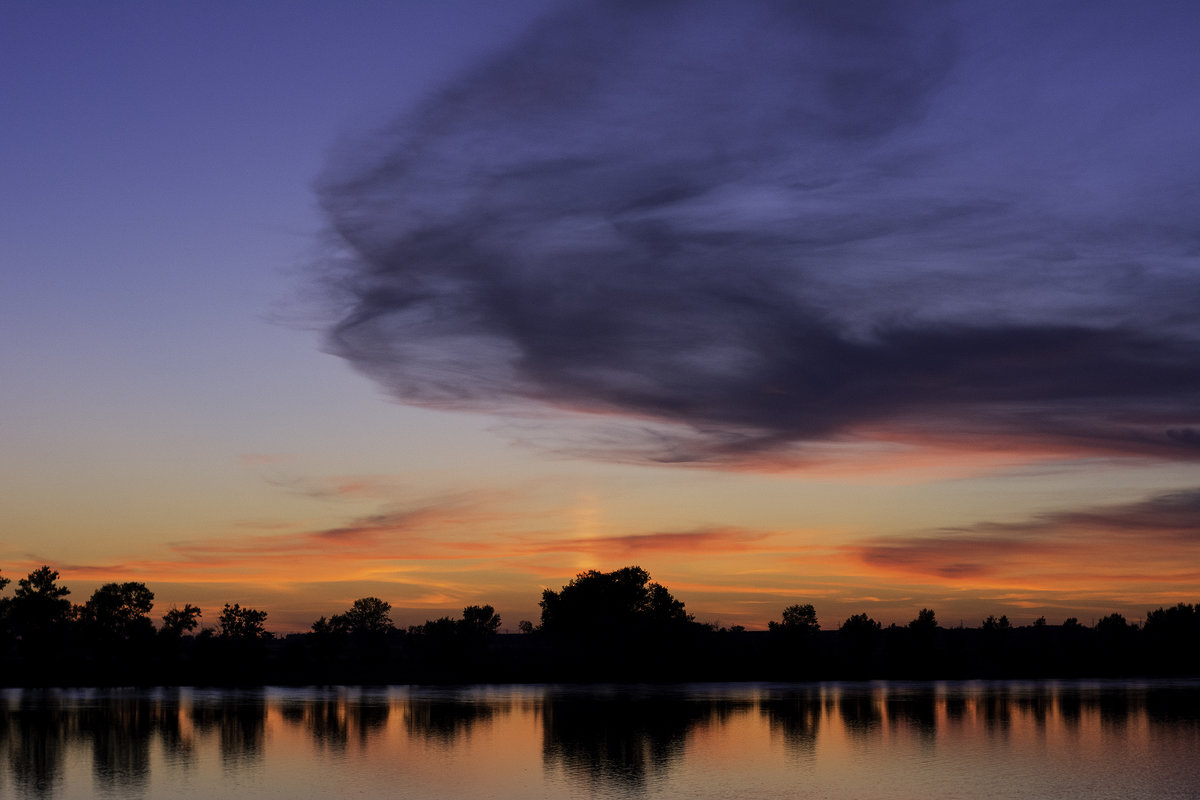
[[798, 619], [367, 616], [480, 620], [242, 624], [605, 604], [178, 621], [858, 638], [925, 622], [1172, 639], [119, 611], [39, 604]]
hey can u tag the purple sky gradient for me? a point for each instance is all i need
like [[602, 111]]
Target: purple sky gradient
[[825, 289]]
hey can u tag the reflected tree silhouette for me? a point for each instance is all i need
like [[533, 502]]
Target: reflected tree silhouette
[[323, 718], [956, 706], [35, 738], [1181, 710], [796, 717], [860, 711], [995, 706], [916, 709], [618, 741], [334, 721], [1116, 707], [179, 746], [445, 721], [1037, 702], [239, 721], [120, 729], [367, 717], [1070, 708]]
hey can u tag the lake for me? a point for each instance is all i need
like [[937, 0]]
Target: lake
[[871, 740]]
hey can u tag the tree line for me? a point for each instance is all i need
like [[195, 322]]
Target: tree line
[[603, 626]]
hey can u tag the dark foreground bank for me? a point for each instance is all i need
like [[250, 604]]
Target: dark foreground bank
[[603, 626], [695, 654]]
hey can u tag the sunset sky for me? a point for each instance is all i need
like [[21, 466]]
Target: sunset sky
[[875, 306]]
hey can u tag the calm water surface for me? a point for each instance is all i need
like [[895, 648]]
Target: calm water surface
[[926, 740]]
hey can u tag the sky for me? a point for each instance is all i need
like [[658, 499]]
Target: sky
[[874, 306]]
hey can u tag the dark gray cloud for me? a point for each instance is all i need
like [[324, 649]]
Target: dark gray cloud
[[745, 227]]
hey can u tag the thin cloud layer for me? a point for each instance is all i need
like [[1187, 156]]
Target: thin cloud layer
[[1155, 541], [738, 230]]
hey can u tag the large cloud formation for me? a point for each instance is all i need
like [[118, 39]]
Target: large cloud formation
[[745, 229]]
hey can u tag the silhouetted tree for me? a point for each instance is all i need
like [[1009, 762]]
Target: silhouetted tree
[[480, 620], [119, 611], [178, 621], [242, 624], [367, 616], [995, 648], [355, 644], [993, 624], [476, 621], [797, 619], [857, 639], [5, 620], [1172, 639], [917, 647], [442, 627], [39, 604], [794, 641], [39, 615], [1117, 640], [600, 604], [1182, 618], [616, 625], [1113, 623], [860, 623], [926, 621], [458, 649]]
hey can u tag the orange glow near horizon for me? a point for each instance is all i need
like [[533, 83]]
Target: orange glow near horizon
[[731, 548], [433, 562]]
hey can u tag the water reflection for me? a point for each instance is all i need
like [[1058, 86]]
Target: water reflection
[[610, 741], [796, 716], [860, 712], [119, 729], [237, 719], [917, 711], [35, 736], [444, 720], [333, 721], [620, 736], [1036, 703]]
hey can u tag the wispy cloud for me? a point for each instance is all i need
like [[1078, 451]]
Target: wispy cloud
[[1104, 549], [746, 232]]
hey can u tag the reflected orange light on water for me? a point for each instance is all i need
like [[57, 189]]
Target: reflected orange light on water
[[862, 740]]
